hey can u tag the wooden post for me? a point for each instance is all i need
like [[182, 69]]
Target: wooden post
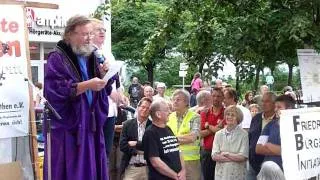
[[32, 124]]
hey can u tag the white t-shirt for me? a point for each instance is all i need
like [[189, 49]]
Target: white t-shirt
[[246, 122], [113, 110]]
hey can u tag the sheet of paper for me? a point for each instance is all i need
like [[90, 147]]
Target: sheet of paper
[[263, 139], [113, 69]]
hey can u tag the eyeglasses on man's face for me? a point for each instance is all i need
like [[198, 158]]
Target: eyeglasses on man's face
[[85, 34], [101, 30]]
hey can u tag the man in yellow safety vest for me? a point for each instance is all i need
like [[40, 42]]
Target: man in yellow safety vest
[[185, 125]]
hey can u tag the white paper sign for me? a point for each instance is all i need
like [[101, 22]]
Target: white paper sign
[[309, 64], [113, 70], [14, 92], [183, 66], [263, 139], [182, 73], [300, 143]]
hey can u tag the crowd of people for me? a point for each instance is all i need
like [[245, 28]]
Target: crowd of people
[[205, 133], [221, 137]]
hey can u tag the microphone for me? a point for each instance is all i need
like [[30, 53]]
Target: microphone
[[98, 53], [45, 101]]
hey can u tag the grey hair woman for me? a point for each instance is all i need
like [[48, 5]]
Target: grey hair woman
[[231, 147]]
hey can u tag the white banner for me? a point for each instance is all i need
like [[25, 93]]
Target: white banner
[[300, 143], [14, 92], [309, 64]]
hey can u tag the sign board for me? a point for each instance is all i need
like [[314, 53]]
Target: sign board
[[309, 64], [14, 90], [300, 143], [45, 25], [183, 66], [182, 73]]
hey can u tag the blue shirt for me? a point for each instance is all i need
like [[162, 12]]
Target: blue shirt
[[84, 72], [272, 130]]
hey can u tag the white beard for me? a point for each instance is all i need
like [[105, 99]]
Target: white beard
[[84, 50]]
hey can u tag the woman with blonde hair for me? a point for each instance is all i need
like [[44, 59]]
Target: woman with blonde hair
[[231, 147]]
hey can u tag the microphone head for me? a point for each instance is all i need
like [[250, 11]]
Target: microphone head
[[98, 53]]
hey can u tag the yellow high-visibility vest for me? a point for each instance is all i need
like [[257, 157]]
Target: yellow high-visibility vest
[[190, 151]]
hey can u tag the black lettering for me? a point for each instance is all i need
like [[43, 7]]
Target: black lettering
[[299, 142], [310, 143], [304, 125], [5, 106], [295, 122], [299, 165]]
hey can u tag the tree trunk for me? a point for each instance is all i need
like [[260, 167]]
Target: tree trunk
[[290, 74], [201, 68], [256, 82], [149, 68], [272, 72]]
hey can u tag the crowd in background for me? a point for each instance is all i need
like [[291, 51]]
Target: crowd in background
[[204, 133], [219, 136]]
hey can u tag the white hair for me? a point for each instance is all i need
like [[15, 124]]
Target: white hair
[[202, 97], [270, 171], [184, 93]]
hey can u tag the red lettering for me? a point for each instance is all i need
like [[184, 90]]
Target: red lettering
[[3, 25], [13, 46], [12, 26]]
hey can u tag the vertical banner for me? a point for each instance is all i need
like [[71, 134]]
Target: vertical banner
[[14, 90], [300, 143], [309, 64]]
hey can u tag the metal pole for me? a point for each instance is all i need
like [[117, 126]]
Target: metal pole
[[48, 146], [183, 82]]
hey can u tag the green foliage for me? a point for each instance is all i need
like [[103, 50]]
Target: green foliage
[[132, 24], [251, 34], [102, 10], [168, 71], [280, 78]]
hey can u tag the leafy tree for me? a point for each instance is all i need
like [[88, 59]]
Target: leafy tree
[[132, 24], [252, 34]]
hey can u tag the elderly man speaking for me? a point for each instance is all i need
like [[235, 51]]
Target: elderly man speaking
[[74, 87]]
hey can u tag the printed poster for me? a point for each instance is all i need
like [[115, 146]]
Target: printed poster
[[14, 91], [309, 64], [300, 143]]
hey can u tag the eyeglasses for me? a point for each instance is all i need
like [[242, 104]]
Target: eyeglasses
[[177, 99], [102, 30], [86, 35]]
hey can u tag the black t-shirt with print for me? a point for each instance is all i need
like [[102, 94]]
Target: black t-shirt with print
[[135, 91], [161, 142]]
